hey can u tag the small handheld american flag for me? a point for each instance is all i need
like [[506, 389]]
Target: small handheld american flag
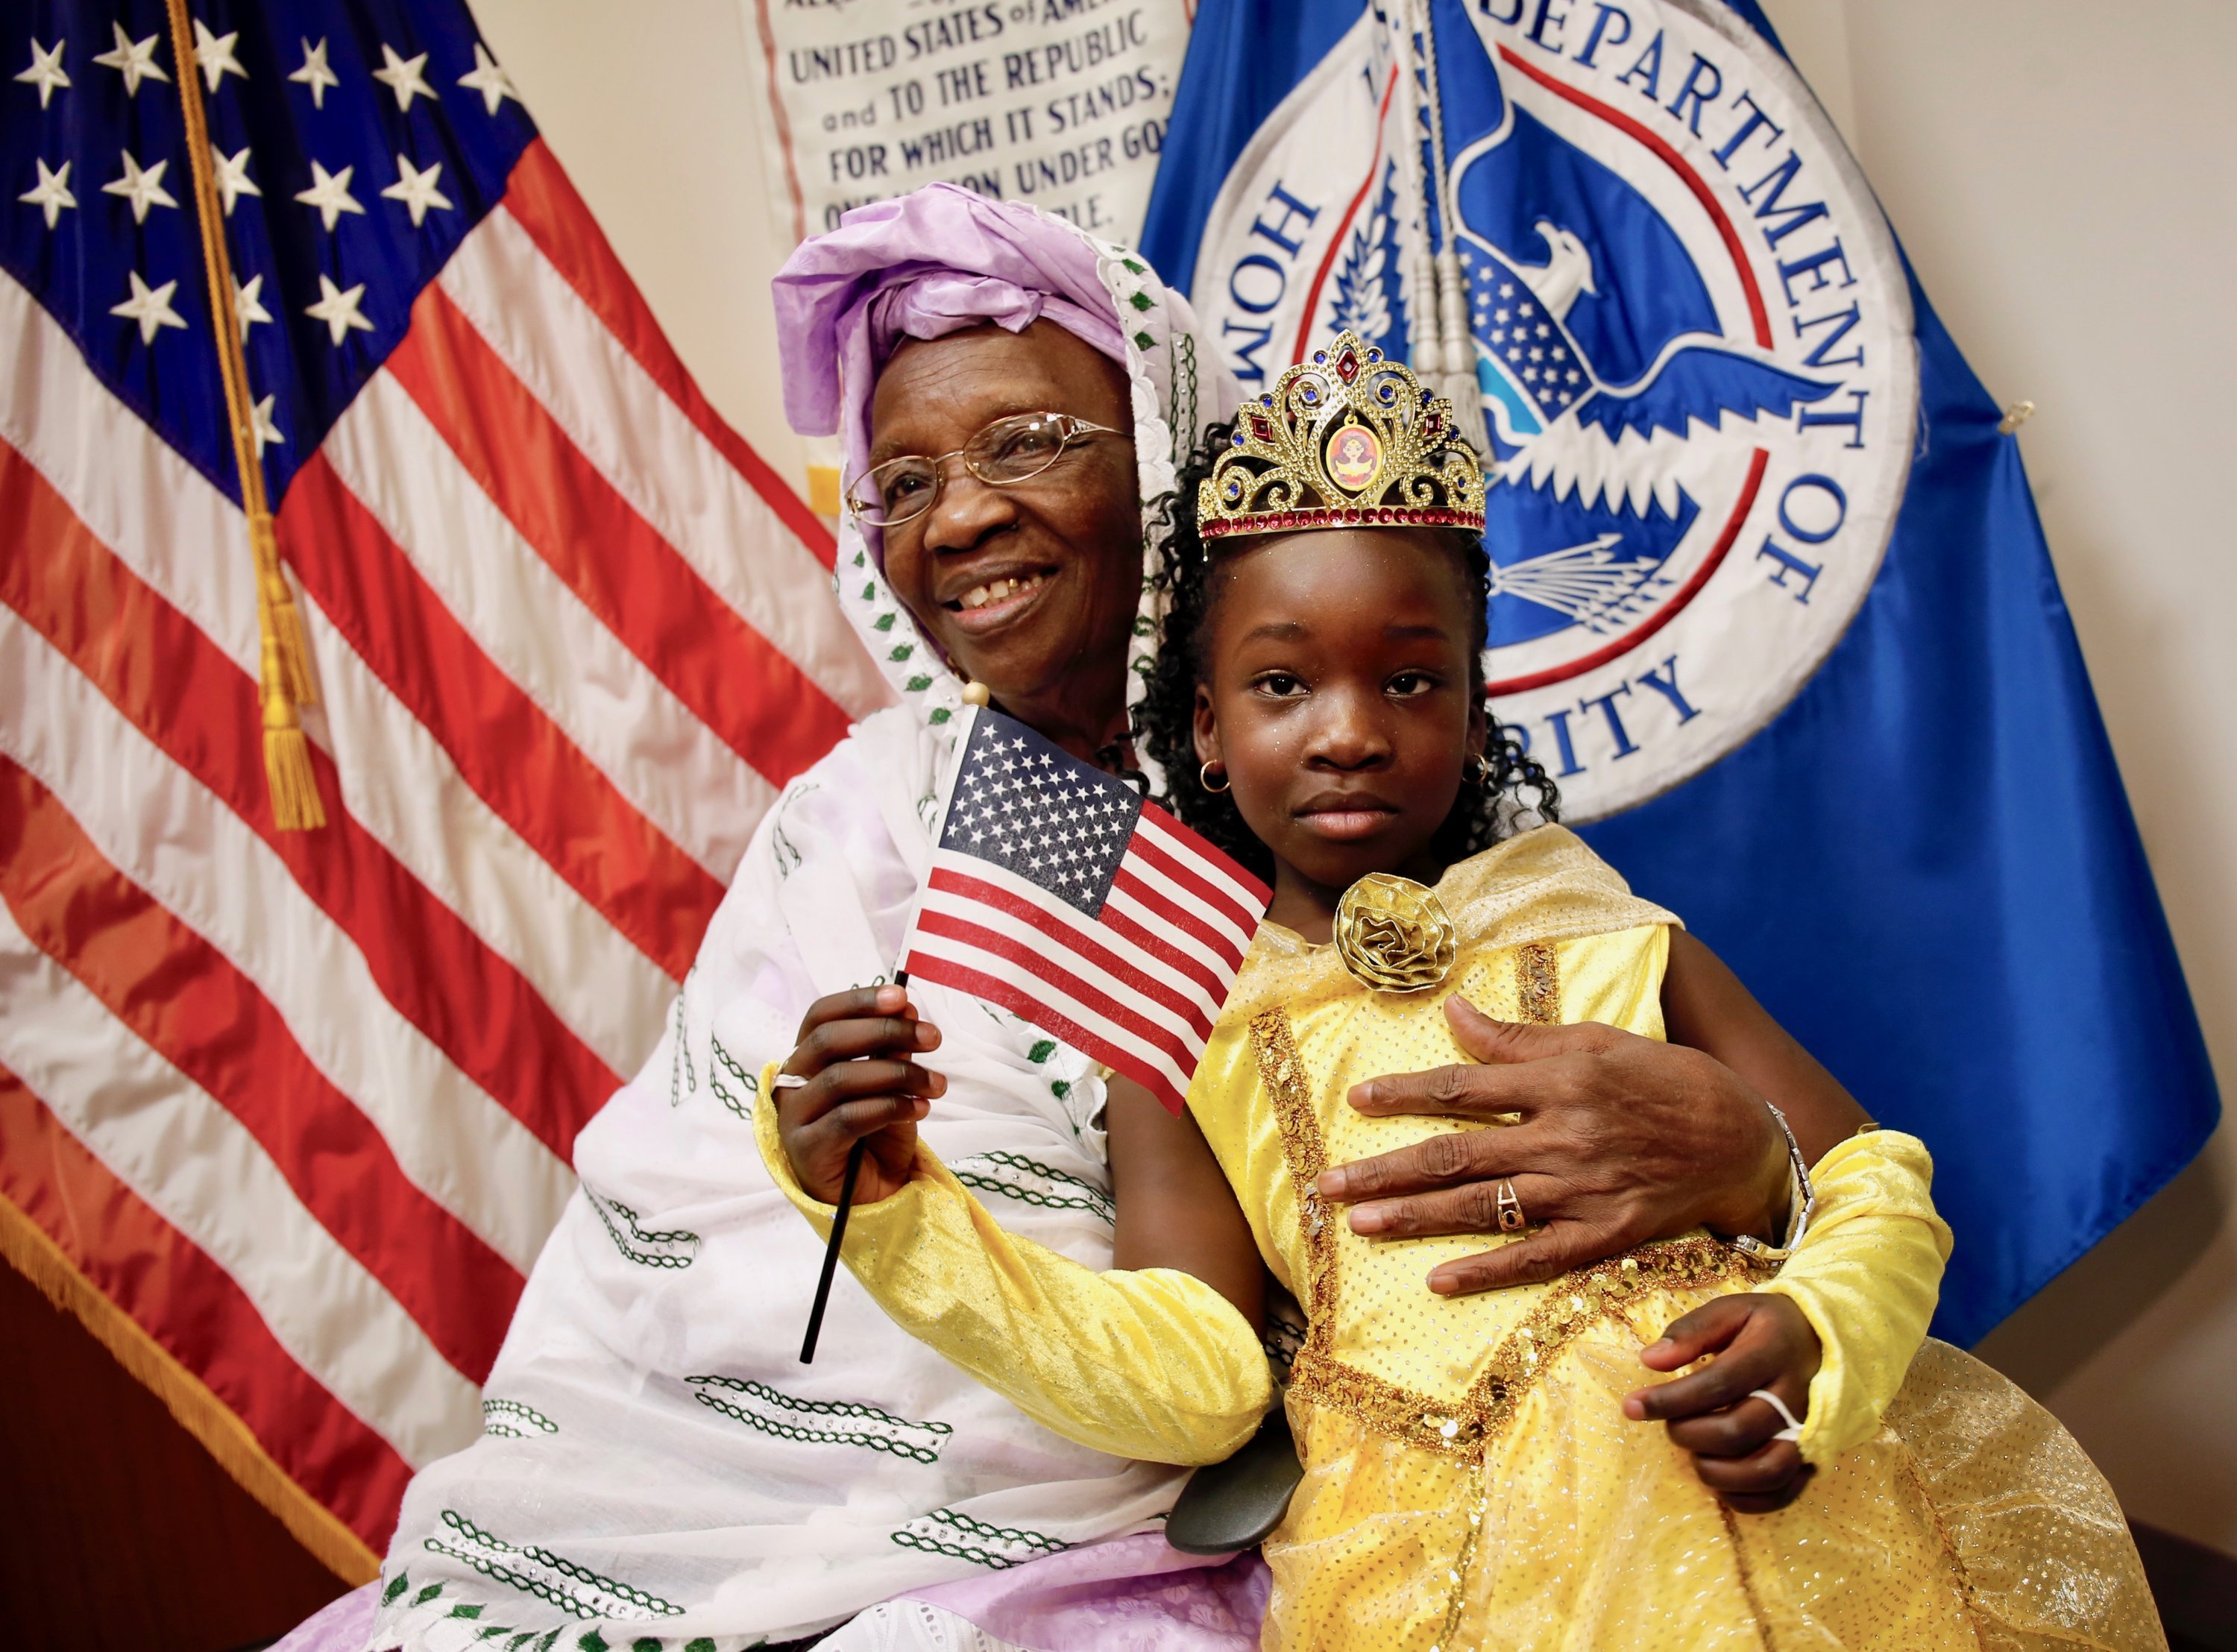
[[1059, 894]]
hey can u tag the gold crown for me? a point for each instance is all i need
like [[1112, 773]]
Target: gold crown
[[1346, 439]]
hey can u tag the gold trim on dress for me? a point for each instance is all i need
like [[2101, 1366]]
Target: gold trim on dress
[[1538, 983], [1573, 1305], [1282, 1070]]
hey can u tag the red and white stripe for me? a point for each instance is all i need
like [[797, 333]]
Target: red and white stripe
[[1137, 987], [301, 1103]]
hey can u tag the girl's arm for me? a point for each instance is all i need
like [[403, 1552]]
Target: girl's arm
[[1149, 1362], [1832, 1335], [1175, 1207], [1706, 1008]]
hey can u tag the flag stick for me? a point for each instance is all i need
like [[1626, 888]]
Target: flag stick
[[838, 1232], [831, 1250]]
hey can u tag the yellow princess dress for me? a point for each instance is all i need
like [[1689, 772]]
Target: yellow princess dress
[[1470, 1479]]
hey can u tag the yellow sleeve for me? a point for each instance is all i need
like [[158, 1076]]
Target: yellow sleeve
[[1866, 1275], [1154, 1365]]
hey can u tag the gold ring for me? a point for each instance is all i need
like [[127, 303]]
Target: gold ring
[[1511, 1219]]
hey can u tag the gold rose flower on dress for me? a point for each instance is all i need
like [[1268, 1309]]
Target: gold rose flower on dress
[[1393, 934]]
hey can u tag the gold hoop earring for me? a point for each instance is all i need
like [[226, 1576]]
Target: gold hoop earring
[[1203, 779], [1477, 768]]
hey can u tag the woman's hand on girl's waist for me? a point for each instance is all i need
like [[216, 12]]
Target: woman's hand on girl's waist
[[856, 1052]]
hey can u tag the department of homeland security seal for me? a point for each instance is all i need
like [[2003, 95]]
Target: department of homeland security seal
[[1693, 340]]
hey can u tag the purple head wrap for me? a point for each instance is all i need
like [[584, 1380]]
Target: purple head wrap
[[923, 265]]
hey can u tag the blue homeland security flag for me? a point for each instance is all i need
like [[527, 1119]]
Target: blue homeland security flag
[[1770, 598]]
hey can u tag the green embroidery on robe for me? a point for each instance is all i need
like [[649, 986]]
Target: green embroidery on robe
[[947, 1532], [552, 1578], [675, 1249], [820, 1422], [1013, 1175], [729, 1062], [679, 1066], [510, 1419]]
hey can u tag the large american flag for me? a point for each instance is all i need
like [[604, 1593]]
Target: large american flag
[[286, 1115], [1059, 894]]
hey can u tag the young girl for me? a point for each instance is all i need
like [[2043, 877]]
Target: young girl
[[1476, 1470]]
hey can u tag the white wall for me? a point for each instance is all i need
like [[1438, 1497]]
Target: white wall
[[2064, 175], [646, 102]]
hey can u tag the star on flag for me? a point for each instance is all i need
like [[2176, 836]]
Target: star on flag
[[51, 194], [46, 70], [150, 307], [142, 187], [405, 76], [262, 428], [417, 189], [135, 60], [230, 174], [489, 80], [337, 307], [248, 303], [329, 192], [314, 73], [214, 55]]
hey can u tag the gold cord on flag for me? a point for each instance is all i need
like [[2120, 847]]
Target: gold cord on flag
[[284, 673]]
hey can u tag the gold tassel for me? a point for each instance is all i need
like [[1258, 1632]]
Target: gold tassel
[[284, 681], [277, 616], [295, 804], [287, 752]]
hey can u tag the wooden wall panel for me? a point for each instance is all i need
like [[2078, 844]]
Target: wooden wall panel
[[118, 1533]]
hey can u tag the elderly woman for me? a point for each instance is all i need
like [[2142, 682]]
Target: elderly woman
[[659, 1469]]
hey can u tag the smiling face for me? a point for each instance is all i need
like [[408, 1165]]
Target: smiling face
[[1030, 588], [1337, 695]]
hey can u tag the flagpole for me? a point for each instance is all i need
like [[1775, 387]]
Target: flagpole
[[963, 726], [838, 1231], [284, 660]]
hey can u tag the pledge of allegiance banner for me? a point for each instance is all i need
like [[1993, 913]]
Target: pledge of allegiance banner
[[1061, 103]]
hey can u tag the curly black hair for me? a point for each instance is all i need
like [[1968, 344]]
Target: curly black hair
[[1163, 726]]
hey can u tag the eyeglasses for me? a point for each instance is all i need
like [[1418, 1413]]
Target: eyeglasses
[[1006, 452]]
